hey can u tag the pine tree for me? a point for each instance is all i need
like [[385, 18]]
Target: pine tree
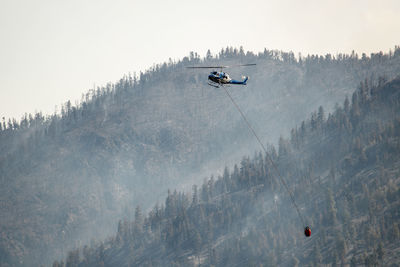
[[331, 208], [346, 105], [209, 55], [321, 116], [341, 248], [138, 223], [380, 252], [353, 261], [394, 233], [195, 197]]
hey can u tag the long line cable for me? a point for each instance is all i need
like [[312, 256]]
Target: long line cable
[[268, 156]]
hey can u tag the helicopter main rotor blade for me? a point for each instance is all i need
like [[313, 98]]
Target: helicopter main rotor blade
[[242, 65]]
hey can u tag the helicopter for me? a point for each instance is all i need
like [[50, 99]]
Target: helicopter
[[220, 78]]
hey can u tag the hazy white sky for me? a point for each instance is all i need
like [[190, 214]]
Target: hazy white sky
[[52, 51]]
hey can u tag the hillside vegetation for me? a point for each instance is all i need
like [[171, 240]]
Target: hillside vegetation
[[68, 177]]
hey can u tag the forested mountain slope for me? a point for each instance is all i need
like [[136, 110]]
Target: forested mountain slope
[[66, 178], [344, 171]]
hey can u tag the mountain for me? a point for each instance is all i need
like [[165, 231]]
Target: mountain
[[67, 178], [343, 171]]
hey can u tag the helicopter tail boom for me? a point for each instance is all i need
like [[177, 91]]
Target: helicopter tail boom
[[244, 82]]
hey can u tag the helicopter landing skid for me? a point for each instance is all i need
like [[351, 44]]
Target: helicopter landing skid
[[213, 85]]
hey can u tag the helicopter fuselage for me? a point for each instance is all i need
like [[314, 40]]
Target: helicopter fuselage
[[219, 77]]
